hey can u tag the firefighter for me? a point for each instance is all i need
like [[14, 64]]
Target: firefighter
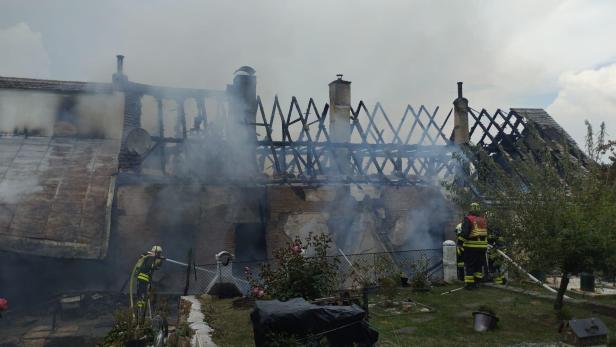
[[459, 253], [143, 270], [474, 237], [495, 262]]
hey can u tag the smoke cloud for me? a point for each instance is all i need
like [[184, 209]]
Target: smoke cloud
[[24, 52]]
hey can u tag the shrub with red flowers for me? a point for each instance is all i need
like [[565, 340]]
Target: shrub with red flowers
[[301, 269]]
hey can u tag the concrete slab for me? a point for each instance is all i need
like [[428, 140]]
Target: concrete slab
[[38, 332], [65, 331], [203, 332], [601, 288]]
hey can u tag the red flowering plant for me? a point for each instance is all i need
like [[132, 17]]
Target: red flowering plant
[[256, 288], [301, 269]]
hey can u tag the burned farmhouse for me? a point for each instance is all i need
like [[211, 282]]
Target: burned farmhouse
[[93, 174]]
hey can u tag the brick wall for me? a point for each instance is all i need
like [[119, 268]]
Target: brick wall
[[132, 120]]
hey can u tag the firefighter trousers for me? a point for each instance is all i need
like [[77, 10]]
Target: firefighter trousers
[[460, 265], [474, 264], [496, 271], [143, 289]]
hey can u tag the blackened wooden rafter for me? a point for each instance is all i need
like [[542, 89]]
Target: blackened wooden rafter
[[304, 151]]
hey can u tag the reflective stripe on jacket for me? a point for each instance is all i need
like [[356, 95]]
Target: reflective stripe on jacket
[[143, 277], [479, 227]]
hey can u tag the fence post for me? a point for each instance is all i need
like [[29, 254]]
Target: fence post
[[188, 268], [376, 279], [450, 271], [365, 301]]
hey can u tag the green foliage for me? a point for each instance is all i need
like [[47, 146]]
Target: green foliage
[[181, 336], [282, 340], [563, 314], [419, 279], [389, 286], [302, 269], [553, 213], [125, 329]]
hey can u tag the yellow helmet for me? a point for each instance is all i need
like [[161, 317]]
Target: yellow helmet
[[475, 208], [156, 249]]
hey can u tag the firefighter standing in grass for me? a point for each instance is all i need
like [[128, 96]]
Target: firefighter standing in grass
[[495, 262], [459, 253], [143, 271], [474, 239]]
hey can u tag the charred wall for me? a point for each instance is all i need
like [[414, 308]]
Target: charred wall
[[361, 218]]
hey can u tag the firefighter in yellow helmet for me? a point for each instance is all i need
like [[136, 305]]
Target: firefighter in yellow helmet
[[143, 271], [474, 239]]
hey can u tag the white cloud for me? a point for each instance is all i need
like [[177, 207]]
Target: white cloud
[[586, 95], [23, 53]]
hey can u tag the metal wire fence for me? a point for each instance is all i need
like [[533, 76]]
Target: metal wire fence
[[352, 269]]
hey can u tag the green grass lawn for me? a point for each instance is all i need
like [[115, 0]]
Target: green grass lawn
[[522, 319], [232, 326]]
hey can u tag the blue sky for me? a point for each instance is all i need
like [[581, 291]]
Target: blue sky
[[557, 55]]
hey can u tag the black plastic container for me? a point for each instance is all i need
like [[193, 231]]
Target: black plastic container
[[587, 282]]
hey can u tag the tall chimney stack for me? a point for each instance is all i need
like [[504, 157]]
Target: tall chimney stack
[[120, 64], [460, 118], [340, 121], [119, 79]]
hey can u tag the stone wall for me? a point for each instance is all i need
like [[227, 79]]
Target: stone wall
[[360, 219]]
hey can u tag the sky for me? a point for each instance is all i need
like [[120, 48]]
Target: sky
[[557, 55]]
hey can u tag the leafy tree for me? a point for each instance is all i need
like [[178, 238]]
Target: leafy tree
[[553, 212]]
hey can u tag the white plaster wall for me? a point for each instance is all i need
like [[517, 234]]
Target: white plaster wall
[[25, 109], [101, 113]]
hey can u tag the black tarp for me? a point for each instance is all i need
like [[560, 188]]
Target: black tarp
[[342, 325]]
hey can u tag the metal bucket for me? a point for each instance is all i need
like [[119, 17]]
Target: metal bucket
[[484, 321]]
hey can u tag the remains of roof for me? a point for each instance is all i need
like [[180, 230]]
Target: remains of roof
[[56, 195], [546, 124], [54, 85]]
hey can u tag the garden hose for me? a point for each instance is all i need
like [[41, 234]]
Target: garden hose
[[132, 280]]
